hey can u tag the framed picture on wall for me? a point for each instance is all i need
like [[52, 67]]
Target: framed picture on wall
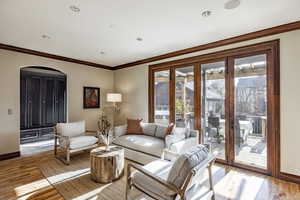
[[91, 97]]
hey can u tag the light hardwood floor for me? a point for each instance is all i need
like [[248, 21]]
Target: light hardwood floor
[[42, 177]]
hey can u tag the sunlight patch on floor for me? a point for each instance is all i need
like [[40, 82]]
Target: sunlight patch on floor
[[248, 186], [66, 176], [94, 194]]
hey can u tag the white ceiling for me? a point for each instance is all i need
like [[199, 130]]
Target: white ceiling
[[112, 26]]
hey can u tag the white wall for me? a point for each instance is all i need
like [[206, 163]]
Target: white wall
[[77, 77], [133, 84]]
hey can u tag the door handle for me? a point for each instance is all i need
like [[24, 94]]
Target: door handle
[[232, 124]]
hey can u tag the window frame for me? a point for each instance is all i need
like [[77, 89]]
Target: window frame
[[272, 47]]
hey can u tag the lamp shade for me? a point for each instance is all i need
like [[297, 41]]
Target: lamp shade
[[114, 97]]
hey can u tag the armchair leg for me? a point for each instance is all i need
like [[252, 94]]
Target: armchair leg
[[211, 187], [68, 156], [128, 183]]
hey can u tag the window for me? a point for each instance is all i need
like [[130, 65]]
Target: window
[[231, 97]]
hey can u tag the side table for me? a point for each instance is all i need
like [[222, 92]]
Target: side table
[[107, 163]]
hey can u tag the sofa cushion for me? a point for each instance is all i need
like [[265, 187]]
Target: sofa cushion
[[82, 141], [71, 129], [161, 130], [143, 143], [134, 127], [149, 128], [185, 163], [160, 168]]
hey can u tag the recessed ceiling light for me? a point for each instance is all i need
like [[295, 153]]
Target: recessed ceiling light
[[102, 52], [46, 37], [232, 4], [139, 39], [206, 13], [74, 8]]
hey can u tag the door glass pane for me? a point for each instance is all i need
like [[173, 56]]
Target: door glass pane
[[213, 106], [184, 97], [161, 96], [250, 116]]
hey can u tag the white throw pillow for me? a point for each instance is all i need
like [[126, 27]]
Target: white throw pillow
[[149, 128]]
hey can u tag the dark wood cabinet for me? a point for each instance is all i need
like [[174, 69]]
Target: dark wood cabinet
[[43, 104]]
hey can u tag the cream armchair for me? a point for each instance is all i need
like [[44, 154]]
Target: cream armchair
[[174, 178], [70, 138]]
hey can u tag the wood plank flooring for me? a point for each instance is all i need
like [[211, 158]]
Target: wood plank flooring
[[25, 183], [44, 177]]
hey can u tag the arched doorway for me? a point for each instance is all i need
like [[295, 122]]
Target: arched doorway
[[42, 105]]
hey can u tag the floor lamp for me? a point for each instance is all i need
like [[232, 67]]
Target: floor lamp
[[114, 98]]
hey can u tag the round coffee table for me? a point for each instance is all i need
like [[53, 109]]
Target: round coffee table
[[107, 164]]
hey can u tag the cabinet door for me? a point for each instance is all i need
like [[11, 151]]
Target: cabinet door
[[34, 102], [48, 101], [23, 103], [60, 111]]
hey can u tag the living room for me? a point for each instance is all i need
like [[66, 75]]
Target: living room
[[149, 100]]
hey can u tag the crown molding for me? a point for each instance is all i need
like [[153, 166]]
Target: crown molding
[[52, 56], [241, 38]]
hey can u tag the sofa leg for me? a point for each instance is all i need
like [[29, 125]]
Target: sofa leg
[[55, 146]]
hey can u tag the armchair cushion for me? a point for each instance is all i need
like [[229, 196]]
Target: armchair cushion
[[185, 163], [161, 169], [143, 143], [82, 141], [71, 129]]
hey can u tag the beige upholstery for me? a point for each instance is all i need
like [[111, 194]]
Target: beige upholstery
[[167, 180], [71, 137], [71, 129], [185, 163], [149, 128], [154, 141], [161, 169], [142, 143]]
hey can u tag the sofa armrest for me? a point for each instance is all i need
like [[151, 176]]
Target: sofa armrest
[[184, 145], [120, 130], [171, 139], [195, 134], [169, 155]]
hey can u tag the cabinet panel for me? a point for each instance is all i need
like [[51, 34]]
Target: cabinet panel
[[23, 103], [49, 102], [43, 104], [60, 100], [35, 102]]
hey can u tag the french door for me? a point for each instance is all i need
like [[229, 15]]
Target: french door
[[231, 97], [234, 104]]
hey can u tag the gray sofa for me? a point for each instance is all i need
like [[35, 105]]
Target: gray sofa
[[149, 146]]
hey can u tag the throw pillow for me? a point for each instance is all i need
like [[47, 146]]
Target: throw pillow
[[134, 127], [169, 129]]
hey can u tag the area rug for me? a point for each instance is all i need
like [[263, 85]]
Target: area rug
[[74, 182]]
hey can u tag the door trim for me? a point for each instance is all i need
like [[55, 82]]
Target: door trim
[[273, 90]]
